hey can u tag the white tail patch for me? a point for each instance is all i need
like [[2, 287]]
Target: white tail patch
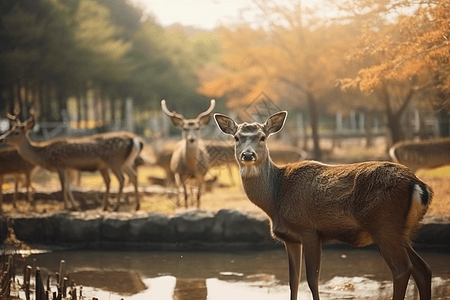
[[417, 209], [135, 149]]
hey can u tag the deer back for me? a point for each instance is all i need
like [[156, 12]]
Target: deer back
[[348, 202]]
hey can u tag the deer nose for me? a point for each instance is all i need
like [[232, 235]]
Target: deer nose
[[191, 139], [248, 156]]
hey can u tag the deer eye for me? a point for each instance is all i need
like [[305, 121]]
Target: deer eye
[[262, 139], [236, 138]]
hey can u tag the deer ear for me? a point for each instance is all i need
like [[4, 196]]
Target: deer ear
[[226, 124], [30, 123], [204, 120], [205, 116], [275, 122], [177, 121]]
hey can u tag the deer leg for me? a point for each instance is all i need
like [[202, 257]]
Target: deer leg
[[312, 245], [177, 186], [186, 204], [294, 252], [107, 180], [421, 273], [28, 185], [401, 267], [132, 174], [65, 188], [199, 192], [182, 181], [118, 172], [62, 180], [69, 192]]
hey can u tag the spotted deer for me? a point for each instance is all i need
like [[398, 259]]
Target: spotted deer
[[309, 203], [103, 152], [190, 159], [428, 154], [11, 163]]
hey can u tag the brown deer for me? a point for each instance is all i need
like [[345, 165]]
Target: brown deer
[[190, 159], [12, 163], [116, 151], [428, 154], [309, 203]]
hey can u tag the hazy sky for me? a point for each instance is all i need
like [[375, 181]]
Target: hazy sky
[[206, 14]]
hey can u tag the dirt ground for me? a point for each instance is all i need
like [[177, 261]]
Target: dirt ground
[[227, 191]]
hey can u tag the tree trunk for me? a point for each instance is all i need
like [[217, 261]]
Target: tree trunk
[[314, 122], [20, 100], [394, 126], [62, 98], [11, 99], [368, 129], [42, 99], [113, 107], [444, 122], [86, 107]]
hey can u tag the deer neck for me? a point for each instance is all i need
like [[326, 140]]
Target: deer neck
[[192, 153], [29, 150], [262, 185]]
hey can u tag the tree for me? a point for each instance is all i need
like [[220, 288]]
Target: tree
[[291, 46], [412, 51]]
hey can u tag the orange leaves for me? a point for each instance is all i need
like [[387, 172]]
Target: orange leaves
[[415, 44]]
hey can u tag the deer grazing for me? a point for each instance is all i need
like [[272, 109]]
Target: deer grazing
[[190, 159], [116, 151], [428, 154], [309, 203], [12, 163]]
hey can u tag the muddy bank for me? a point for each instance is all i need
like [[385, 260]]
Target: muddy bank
[[194, 229]]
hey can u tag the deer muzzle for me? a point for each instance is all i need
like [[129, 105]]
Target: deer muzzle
[[248, 156]]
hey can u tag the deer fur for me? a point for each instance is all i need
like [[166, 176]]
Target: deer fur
[[428, 154], [310, 203], [190, 159], [116, 151], [12, 163]]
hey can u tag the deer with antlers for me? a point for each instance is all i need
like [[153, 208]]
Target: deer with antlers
[[428, 154], [190, 159], [309, 203], [103, 152]]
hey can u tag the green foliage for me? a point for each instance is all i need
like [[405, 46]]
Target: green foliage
[[78, 44]]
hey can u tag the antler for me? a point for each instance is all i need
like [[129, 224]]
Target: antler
[[168, 112], [209, 110], [31, 118]]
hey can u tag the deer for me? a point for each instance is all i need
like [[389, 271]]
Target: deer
[[190, 159], [12, 163], [115, 151], [428, 154], [309, 203]]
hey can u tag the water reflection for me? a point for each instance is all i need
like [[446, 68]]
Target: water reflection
[[346, 273]]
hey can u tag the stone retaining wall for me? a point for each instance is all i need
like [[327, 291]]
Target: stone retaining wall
[[195, 229]]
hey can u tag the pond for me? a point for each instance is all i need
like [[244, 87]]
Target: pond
[[347, 273]]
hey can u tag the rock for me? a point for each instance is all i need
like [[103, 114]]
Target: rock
[[115, 227], [80, 228], [193, 225], [36, 228], [152, 227], [434, 231], [237, 226]]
